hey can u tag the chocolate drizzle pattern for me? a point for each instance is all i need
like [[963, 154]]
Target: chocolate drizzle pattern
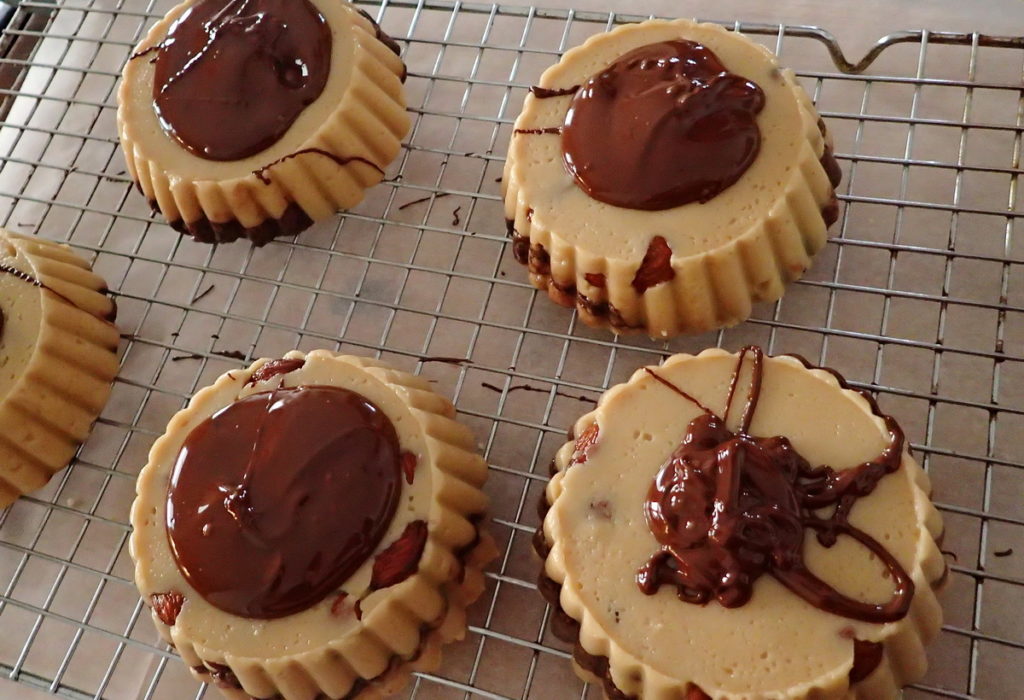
[[277, 499], [539, 132], [232, 76], [664, 125], [22, 275], [145, 52], [29, 279], [340, 161], [728, 507]]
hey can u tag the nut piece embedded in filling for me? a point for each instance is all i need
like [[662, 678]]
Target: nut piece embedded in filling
[[684, 180], [740, 525], [311, 525]]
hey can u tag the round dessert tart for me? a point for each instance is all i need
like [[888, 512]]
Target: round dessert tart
[[58, 358], [311, 528], [664, 176], [255, 118], [738, 526]]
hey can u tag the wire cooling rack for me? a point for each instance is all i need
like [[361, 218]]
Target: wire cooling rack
[[919, 297]]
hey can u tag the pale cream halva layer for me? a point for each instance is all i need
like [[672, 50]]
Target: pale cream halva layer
[[58, 357], [317, 650], [361, 113], [740, 247], [777, 645]]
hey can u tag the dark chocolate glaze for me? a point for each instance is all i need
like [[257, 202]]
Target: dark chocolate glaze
[[547, 93], [232, 76], [280, 497], [665, 125], [273, 369], [729, 507]]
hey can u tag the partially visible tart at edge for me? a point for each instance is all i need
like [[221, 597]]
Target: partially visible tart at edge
[[651, 266], [353, 556], [344, 125], [617, 488], [58, 358]]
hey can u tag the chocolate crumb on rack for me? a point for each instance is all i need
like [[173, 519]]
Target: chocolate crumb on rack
[[231, 354], [189, 356], [203, 294], [427, 359], [421, 200]]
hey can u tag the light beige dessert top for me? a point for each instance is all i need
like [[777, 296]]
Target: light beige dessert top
[[57, 358], [788, 160], [358, 118], [356, 631], [776, 645]]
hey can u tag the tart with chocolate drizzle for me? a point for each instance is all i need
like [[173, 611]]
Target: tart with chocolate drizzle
[[58, 358], [311, 527], [255, 118], [741, 526], [665, 176]]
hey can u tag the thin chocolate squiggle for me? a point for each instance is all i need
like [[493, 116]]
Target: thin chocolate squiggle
[[546, 93], [341, 161], [26, 277], [538, 132]]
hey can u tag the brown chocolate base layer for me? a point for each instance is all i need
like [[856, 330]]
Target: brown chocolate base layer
[[603, 313], [223, 677], [293, 222]]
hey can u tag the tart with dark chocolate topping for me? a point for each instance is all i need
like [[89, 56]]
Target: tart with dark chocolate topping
[[58, 358], [255, 118], [739, 526], [311, 528], [665, 176]]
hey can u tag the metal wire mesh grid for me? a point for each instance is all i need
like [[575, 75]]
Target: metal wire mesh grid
[[919, 297]]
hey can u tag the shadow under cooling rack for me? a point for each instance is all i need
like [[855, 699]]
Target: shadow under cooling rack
[[919, 297]]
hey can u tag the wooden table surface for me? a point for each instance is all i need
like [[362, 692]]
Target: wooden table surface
[[856, 24]]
